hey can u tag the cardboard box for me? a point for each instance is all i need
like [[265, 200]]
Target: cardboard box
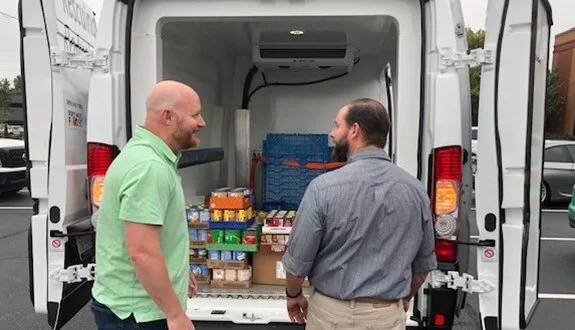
[[268, 269]]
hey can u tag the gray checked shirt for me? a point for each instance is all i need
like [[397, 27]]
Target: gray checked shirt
[[363, 230]]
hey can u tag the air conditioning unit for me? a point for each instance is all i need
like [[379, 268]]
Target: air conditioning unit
[[277, 50]]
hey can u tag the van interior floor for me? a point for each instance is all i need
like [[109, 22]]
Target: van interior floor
[[255, 292]]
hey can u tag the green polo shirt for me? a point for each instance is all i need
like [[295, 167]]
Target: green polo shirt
[[142, 185]]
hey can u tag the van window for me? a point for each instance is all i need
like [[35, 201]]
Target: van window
[[558, 155]]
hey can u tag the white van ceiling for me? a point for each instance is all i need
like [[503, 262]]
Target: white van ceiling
[[369, 34]]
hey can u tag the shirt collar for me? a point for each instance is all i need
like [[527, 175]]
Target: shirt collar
[[369, 153], [159, 146]]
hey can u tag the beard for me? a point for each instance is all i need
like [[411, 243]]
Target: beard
[[340, 151], [185, 138]]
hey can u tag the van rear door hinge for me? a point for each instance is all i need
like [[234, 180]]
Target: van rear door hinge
[[456, 281], [76, 273], [87, 61], [459, 60]]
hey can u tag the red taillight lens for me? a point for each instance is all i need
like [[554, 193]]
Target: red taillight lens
[[439, 320], [447, 176], [100, 156], [445, 251], [448, 164]]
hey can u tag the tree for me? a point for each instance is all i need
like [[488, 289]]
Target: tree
[[5, 102], [475, 40], [17, 82], [554, 100]]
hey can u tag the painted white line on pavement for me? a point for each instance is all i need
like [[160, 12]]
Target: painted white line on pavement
[[544, 210], [557, 296]]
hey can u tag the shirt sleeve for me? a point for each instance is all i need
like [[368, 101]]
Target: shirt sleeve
[[425, 259], [145, 193], [306, 235]]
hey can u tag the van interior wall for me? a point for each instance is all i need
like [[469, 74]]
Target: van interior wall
[[309, 108], [210, 74]]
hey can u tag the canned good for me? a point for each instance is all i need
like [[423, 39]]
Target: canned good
[[205, 270], [242, 215], [204, 215], [217, 215], [278, 239], [227, 256], [232, 236], [202, 235], [236, 194], [193, 215], [202, 253], [239, 256], [266, 239], [231, 275], [229, 215], [193, 253], [249, 237], [193, 233], [219, 274], [245, 275], [214, 255], [196, 270], [217, 236]]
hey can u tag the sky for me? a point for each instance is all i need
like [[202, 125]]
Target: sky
[[473, 11]]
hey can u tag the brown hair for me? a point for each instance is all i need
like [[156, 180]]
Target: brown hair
[[372, 118]]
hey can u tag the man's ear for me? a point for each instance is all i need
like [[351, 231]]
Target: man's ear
[[167, 116], [355, 130]]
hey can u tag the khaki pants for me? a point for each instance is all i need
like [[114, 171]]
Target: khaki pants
[[326, 313]]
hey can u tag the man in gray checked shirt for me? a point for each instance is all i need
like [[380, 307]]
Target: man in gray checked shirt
[[363, 233]]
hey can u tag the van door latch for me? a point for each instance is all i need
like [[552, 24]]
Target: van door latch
[[75, 273], [87, 61], [454, 280], [459, 60]]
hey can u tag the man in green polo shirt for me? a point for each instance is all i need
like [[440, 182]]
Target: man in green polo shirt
[[142, 243]]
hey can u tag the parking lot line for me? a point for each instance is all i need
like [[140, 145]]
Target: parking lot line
[[557, 296], [558, 239], [15, 208]]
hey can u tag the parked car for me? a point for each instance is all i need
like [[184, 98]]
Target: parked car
[[12, 165], [558, 171]]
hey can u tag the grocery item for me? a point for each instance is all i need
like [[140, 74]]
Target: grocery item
[[278, 219], [217, 215], [217, 236], [239, 255], [221, 192], [193, 215], [266, 239], [242, 215], [204, 215], [249, 237], [202, 235], [270, 218], [289, 219], [219, 274], [232, 236], [229, 215], [226, 256], [204, 270], [193, 253], [202, 253], [214, 255], [193, 233], [245, 275], [231, 275], [278, 239], [196, 270]]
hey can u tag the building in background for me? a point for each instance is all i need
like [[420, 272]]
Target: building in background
[[564, 60]]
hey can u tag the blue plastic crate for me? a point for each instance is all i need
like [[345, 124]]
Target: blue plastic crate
[[286, 184], [237, 225]]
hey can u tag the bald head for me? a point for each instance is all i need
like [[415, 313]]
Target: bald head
[[174, 113], [170, 95]]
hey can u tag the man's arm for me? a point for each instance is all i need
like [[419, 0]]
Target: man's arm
[[293, 284], [143, 243], [417, 281]]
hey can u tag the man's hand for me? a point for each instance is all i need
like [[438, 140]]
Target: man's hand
[[193, 286], [405, 302], [180, 322], [297, 309]]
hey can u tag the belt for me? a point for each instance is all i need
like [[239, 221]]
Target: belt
[[365, 300]]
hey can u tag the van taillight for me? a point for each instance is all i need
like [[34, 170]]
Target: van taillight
[[100, 157], [447, 167]]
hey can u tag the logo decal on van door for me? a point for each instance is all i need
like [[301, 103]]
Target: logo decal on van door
[[75, 112]]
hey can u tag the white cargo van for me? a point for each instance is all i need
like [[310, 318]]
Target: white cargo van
[[286, 67]]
